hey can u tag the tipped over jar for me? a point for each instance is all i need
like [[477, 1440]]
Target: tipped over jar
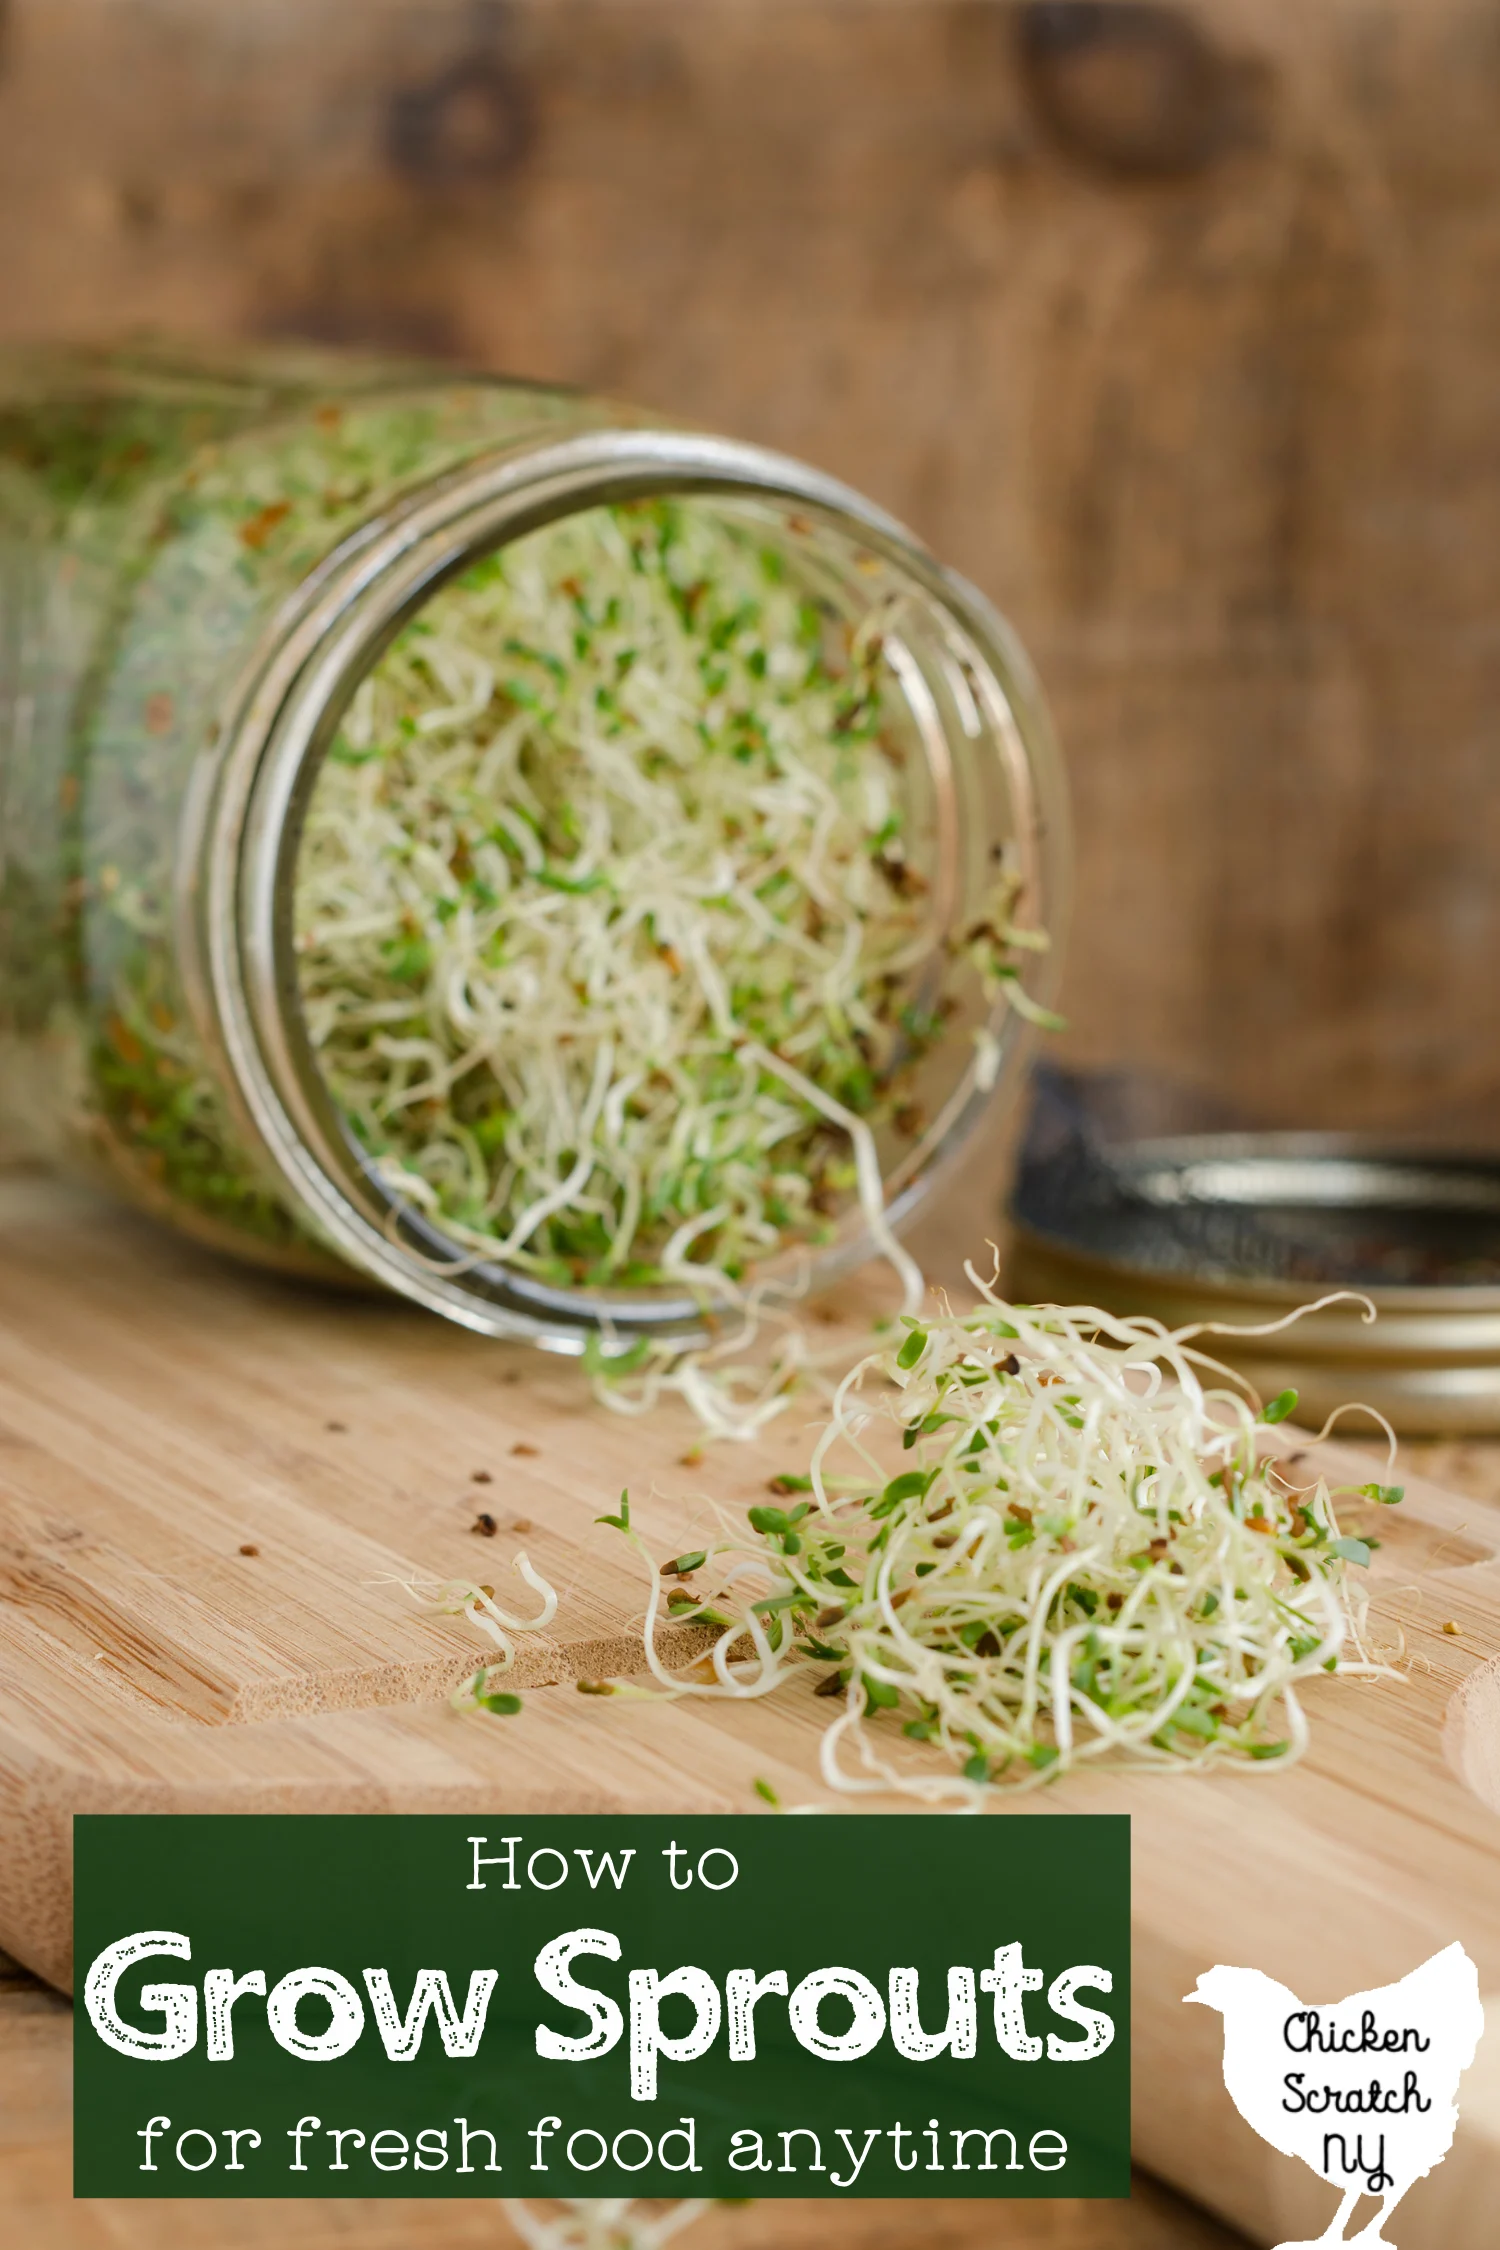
[[569, 870]]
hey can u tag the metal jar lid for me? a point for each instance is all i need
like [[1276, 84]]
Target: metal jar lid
[[1241, 1228]]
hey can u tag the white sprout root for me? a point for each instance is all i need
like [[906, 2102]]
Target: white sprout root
[[1089, 1558], [600, 2222], [461, 1597], [614, 945]]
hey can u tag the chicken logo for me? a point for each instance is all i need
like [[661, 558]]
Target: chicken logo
[[1363, 2091]]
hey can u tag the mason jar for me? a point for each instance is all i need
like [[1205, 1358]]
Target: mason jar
[[201, 567]]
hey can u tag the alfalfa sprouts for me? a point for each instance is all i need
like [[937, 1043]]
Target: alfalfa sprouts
[[615, 946], [463, 1597], [1087, 1557]]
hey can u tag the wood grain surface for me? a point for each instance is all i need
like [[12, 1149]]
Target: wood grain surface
[[212, 1485], [37, 2209], [1173, 325]]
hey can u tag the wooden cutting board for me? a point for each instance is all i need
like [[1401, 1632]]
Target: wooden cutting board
[[212, 1484]]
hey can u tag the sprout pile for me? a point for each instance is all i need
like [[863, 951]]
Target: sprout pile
[[614, 941], [1086, 1556]]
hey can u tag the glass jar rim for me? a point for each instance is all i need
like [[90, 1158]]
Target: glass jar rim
[[237, 924]]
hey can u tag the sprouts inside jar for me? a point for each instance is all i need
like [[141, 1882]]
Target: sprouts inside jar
[[631, 948]]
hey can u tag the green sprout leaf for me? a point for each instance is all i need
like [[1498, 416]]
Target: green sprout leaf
[[607, 1365], [572, 886], [1189, 1719], [1284, 1403], [909, 1486]]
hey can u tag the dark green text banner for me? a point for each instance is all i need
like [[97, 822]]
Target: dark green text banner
[[924, 2005]]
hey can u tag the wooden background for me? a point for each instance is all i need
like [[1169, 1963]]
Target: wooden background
[[1177, 327]]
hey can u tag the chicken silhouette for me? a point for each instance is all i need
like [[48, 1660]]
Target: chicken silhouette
[[1363, 2091]]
